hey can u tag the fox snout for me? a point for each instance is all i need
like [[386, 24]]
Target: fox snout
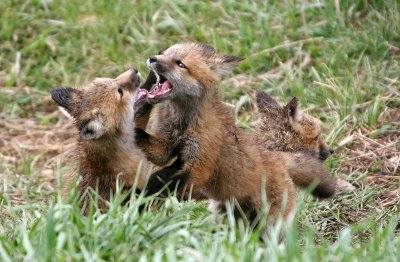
[[130, 79], [325, 152], [152, 59], [160, 65]]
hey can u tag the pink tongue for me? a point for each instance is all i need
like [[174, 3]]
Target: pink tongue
[[166, 86], [140, 94], [160, 90]]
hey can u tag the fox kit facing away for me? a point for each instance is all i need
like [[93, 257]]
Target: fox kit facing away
[[103, 112], [220, 161], [288, 128]]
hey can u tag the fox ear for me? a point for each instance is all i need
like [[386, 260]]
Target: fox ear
[[63, 96], [265, 101], [294, 111], [91, 129], [225, 64]]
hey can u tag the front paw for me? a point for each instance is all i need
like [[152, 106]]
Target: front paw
[[141, 137], [142, 108], [166, 180], [155, 185]]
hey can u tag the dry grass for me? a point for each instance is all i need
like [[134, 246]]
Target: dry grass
[[37, 141], [340, 58], [32, 144]]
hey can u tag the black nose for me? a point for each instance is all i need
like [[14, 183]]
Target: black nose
[[152, 59], [134, 70], [331, 151]]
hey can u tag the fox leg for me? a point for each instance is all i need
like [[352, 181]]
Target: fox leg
[[182, 180], [199, 164], [104, 187], [281, 194], [142, 116], [166, 176], [197, 167], [157, 150], [178, 176]]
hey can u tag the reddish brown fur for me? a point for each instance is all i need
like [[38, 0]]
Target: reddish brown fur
[[105, 150], [288, 128], [221, 161]]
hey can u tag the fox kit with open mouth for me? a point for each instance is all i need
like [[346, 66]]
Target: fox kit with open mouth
[[220, 161], [104, 116]]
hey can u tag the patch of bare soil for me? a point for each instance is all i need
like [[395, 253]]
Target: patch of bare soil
[[33, 136], [377, 155]]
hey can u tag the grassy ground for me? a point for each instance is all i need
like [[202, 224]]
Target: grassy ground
[[341, 60]]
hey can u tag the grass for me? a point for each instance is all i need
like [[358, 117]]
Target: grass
[[342, 61], [177, 231]]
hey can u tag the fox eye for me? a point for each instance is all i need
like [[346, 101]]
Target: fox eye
[[316, 138], [180, 64], [121, 92]]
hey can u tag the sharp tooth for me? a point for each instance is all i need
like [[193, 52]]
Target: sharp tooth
[[158, 77]]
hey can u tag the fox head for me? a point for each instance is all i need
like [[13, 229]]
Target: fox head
[[102, 107], [288, 128], [184, 71]]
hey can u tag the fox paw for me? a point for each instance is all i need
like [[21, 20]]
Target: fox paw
[[162, 181], [141, 136], [166, 180]]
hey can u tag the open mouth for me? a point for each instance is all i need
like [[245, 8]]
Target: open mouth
[[154, 88]]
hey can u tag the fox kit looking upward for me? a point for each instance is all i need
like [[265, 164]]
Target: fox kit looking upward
[[288, 128], [220, 161], [103, 112]]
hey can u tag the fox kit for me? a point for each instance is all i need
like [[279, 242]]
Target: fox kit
[[220, 161], [288, 128], [103, 112]]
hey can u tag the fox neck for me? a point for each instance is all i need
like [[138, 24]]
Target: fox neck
[[102, 157], [189, 109]]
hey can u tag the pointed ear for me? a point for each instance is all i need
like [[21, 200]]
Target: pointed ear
[[63, 97], [294, 111], [91, 129], [265, 101], [225, 64]]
